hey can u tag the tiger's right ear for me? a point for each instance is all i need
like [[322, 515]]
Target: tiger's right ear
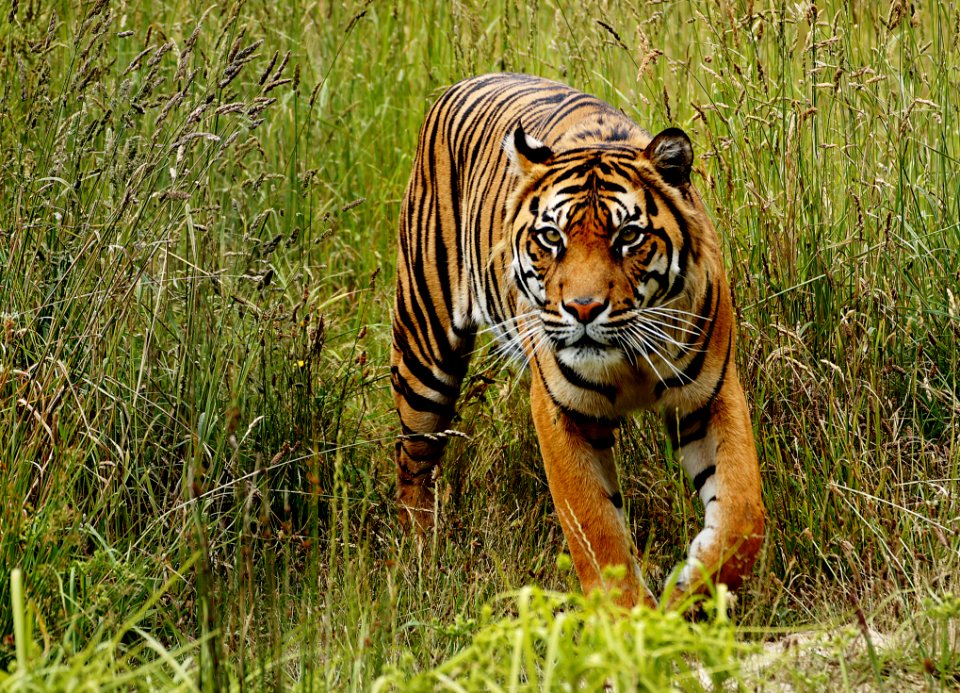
[[524, 151], [671, 154]]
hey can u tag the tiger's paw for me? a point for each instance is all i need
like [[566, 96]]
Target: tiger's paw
[[690, 587], [692, 583], [700, 601]]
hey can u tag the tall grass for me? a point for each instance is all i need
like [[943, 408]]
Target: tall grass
[[197, 212]]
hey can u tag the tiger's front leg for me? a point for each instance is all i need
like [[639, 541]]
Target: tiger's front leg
[[578, 458], [717, 450]]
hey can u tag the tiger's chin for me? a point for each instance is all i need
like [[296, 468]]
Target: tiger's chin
[[593, 361]]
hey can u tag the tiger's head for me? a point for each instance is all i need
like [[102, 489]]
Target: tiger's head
[[605, 238]]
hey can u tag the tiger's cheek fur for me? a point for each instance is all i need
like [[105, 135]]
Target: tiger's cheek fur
[[529, 267]]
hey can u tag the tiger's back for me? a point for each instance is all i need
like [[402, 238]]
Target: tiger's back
[[551, 217]]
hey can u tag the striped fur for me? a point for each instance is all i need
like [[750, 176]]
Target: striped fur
[[546, 216]]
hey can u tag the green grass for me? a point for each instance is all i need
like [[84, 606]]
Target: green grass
[[197, 220]]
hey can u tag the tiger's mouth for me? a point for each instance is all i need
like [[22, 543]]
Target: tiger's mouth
[[588, 357], [577, 338], [584, 347], [582, 342], [586, 342]]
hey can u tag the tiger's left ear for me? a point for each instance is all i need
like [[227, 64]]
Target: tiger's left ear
[[671, 154], [524, 151]]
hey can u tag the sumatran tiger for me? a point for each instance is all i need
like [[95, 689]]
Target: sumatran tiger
[[551, 219]]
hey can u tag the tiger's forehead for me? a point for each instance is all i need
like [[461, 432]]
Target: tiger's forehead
[[599, 194]]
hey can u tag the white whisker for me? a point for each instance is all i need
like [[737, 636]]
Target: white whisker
[[654, 330], [508, 323], [511, 336], [668, 314], [665, 323], [679, 315], [652, 347], [675, 310], [662, 307], [641, 349], [513, 346]]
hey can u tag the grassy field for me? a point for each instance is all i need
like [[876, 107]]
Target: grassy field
[[197, 225]]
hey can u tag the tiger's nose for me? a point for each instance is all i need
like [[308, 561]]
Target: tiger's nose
[[584, 309]]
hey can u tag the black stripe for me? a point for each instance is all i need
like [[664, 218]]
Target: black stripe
[[571, 190], [617, 500], [700, 479], [693, 426], [609, 186], [608, 391], [455, 199], [603, 442], [698, 417], [651, 205], [422, 372], [561, 176], [685, 249], [694, 435], [570, 105], [662, 278], [584, 419], [628, 172], [415, 400], [579, 418], [432, 223]]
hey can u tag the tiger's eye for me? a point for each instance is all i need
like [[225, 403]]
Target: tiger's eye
[[551, 236], [629, 234]]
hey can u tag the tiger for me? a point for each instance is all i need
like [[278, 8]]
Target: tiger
[[549, 218]]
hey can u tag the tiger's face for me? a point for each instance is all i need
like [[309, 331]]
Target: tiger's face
[[602, 250]]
